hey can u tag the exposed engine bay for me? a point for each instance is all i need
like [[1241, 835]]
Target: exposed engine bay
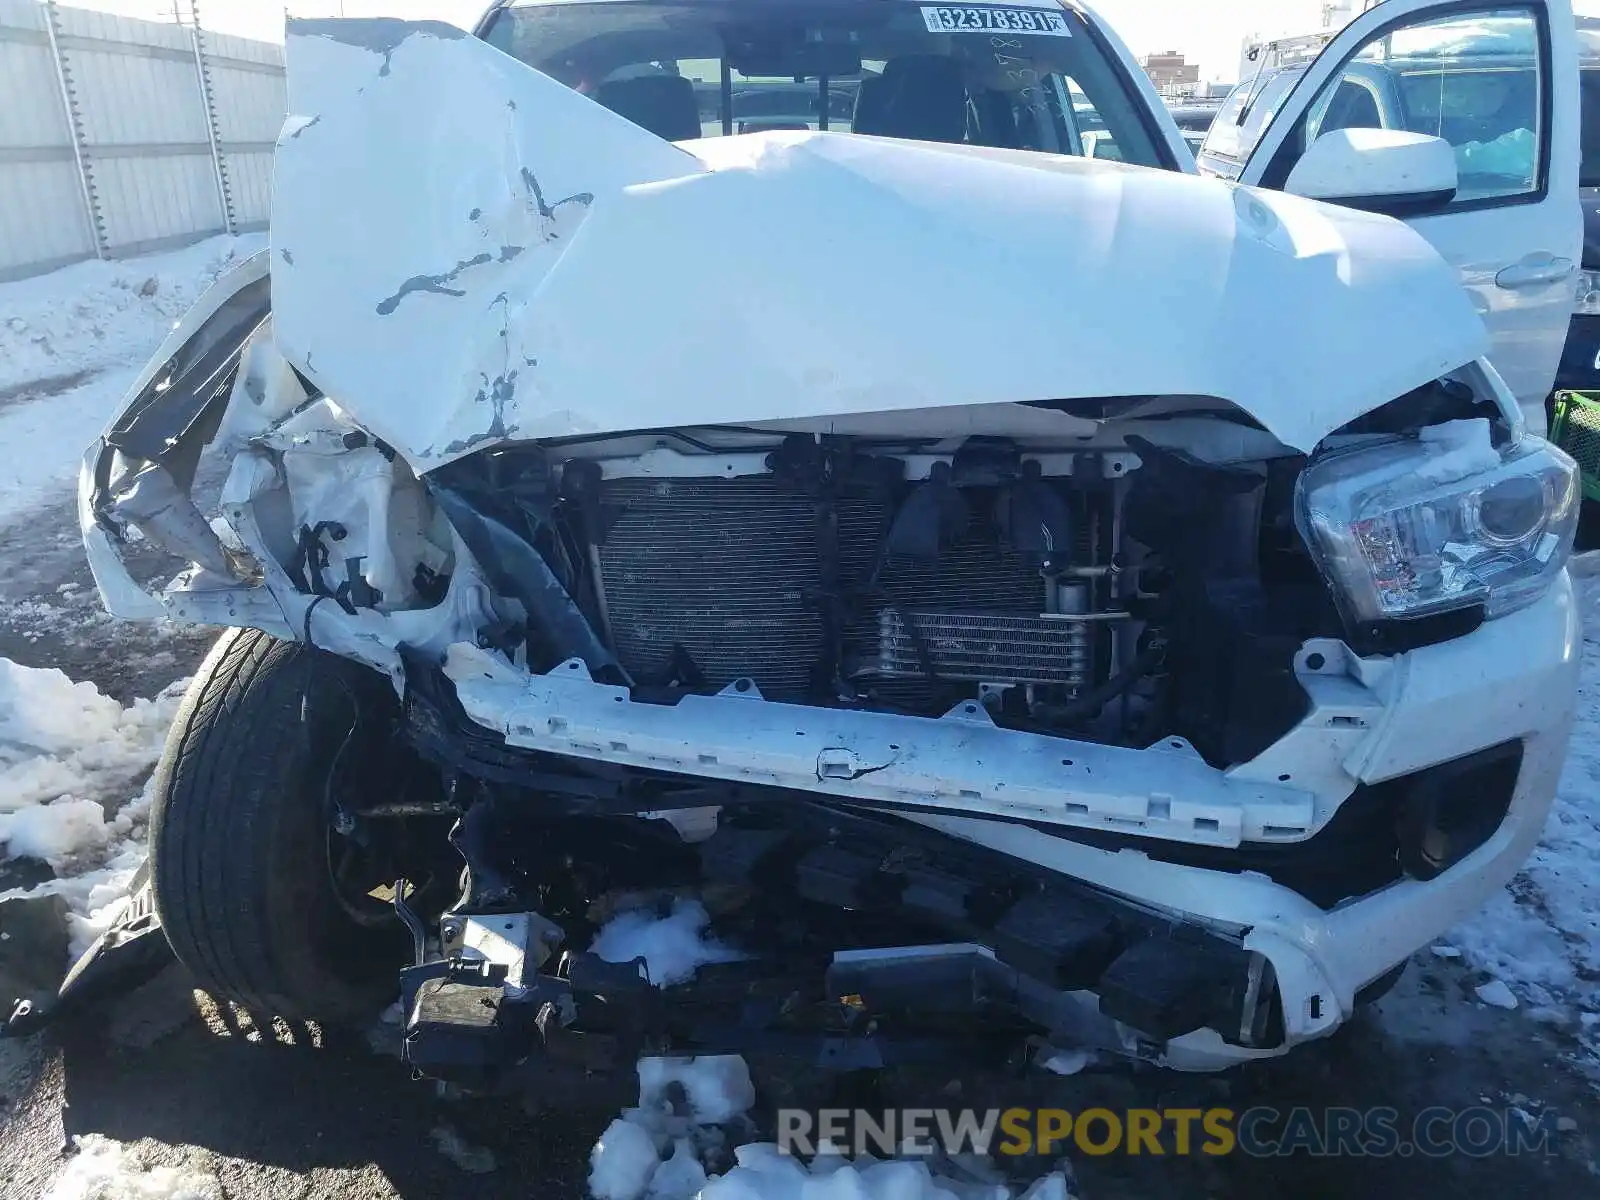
[[843, 572]]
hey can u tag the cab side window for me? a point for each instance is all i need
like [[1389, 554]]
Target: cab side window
[[1352, 103], [1088, 126], [1477, 80]]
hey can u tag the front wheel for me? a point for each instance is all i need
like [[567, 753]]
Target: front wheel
[[253, 883]]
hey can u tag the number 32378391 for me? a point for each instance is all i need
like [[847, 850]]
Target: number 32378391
[[944, 19]]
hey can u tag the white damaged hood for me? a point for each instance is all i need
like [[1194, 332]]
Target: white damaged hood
[[465, 251]]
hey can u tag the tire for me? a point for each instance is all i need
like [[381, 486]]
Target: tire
[[240, 836]]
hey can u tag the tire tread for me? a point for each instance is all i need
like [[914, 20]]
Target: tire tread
[[223, 795]]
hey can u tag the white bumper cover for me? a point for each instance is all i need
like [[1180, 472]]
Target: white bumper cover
[[1371, 720]]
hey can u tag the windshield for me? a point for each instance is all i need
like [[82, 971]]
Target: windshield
[[1238, 126], [1015, 76]]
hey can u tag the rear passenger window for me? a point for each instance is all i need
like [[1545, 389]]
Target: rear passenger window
[[1474, 80]]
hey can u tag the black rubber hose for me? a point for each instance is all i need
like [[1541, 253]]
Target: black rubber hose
[[1091, 702]]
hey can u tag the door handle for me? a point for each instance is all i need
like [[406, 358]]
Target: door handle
[[1534, 270]]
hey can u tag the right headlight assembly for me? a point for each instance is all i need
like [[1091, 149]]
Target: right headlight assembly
[[1419, 527]]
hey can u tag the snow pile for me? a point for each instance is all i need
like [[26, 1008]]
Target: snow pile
[[63, 743], [666, 1147], [97, 896], [673, 947], [55, 833], [659, 1148], [94, 315], [691, 1110], [71, 344], [64, 749], [69, 756], [1512, 154], [103, 1169]]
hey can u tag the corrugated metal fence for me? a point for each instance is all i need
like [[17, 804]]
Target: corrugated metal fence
[[120, 136]]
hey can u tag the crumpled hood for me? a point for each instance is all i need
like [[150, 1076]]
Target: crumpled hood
[[465, 251]]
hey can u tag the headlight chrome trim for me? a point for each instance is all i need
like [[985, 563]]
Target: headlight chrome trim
[[1398, 529]]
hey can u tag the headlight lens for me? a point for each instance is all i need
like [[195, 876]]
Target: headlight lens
[[1408, 529], [1588, 299]]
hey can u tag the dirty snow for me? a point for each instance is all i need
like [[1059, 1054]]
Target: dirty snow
[[61, 740], [623, 1162], [1540, 937], [1497, 994], [72, 762], [71, 343], [95, 315], [673, 947], [103, 1169], [690, 1110]]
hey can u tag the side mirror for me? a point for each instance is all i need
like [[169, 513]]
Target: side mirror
[[1377, 170]]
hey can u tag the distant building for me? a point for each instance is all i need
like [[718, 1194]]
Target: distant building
[[1173, 77]]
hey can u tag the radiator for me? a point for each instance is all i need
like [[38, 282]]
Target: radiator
[[728, 571]]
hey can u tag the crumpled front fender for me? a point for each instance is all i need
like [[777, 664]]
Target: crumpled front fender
[[136, 478]]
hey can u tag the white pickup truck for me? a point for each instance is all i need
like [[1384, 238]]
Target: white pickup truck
[[1099, 600], [1493, 91]]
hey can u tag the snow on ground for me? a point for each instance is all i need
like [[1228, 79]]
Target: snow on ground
[[103, 1169], [690, 1111], [1540, 937], [70, 758], [693, 1113], [95, 315], [71, 343]]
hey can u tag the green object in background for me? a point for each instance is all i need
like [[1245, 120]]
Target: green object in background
[[1575, 427]]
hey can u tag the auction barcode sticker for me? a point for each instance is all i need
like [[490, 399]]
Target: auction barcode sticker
[[948, 19]]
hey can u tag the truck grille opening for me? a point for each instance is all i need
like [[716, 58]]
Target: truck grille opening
[[726, 575]]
